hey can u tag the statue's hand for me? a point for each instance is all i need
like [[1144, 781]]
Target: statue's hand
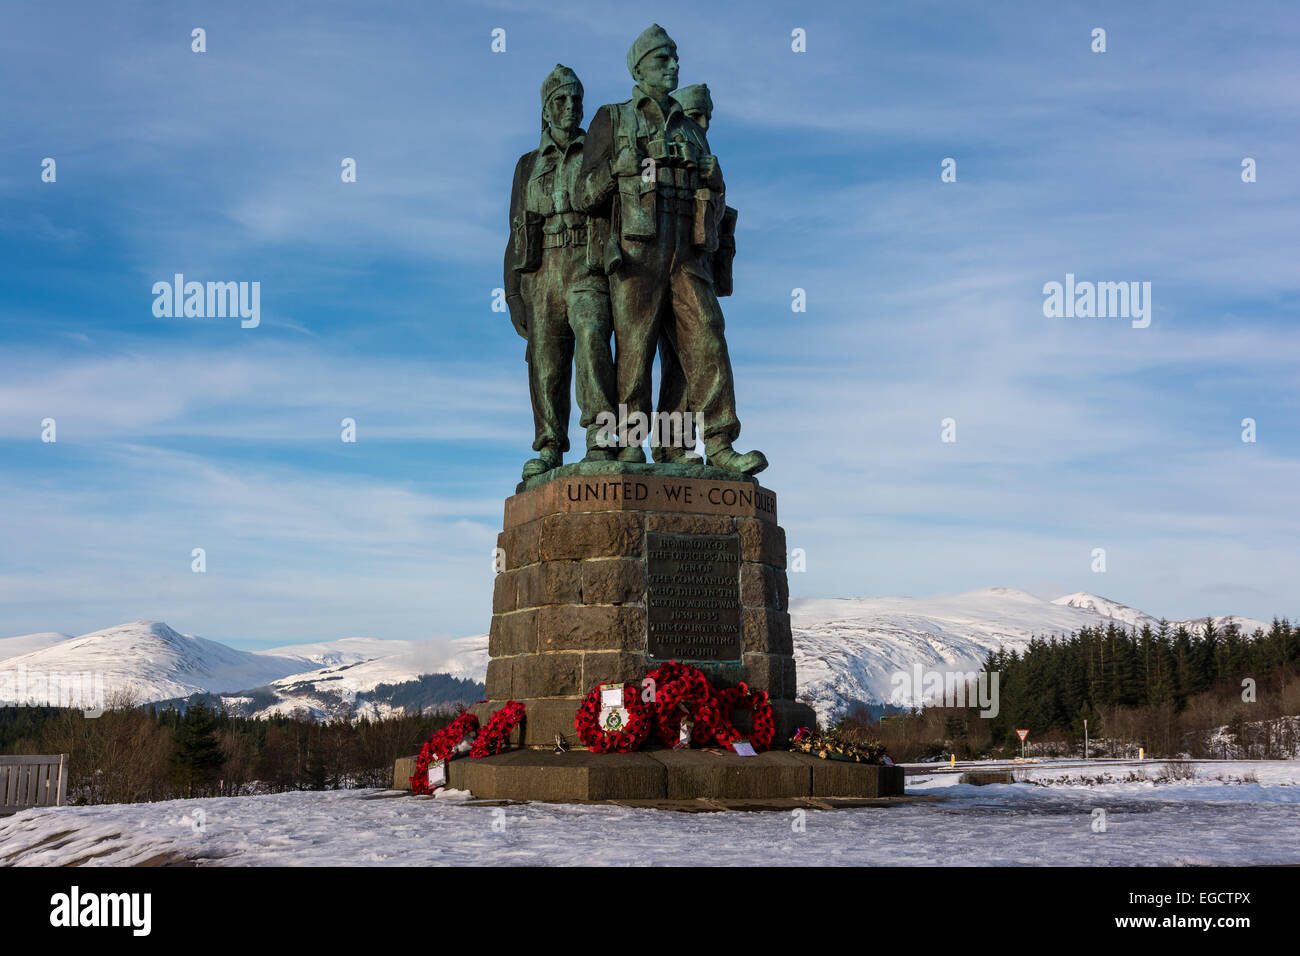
[[710, 172], [518, 314]]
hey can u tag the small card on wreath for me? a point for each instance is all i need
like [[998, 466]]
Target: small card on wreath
[[684, 735], [613, 715], [437, 774], [744, 748], [611, 695]]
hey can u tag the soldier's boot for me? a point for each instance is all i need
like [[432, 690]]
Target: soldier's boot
[[601, 445], [632, 453], [722, 455], [672, 455], [546, 459]]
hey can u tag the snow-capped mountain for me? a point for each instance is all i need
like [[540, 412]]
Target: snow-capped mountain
[[347, 650], [151, 661], [847, 650], [348, 689], [1135, 618]]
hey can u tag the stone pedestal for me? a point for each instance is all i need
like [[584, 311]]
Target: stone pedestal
[[611, 569], [659, 774]]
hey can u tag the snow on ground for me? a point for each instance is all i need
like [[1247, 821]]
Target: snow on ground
[[1198, 822]]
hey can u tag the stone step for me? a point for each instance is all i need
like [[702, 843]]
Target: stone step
[[661, 774]]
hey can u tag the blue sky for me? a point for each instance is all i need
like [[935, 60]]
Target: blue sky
[[924, 300]]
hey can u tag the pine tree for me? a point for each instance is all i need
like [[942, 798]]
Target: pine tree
[[196, 762]]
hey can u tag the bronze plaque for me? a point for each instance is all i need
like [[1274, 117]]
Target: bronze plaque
[[693, 597]]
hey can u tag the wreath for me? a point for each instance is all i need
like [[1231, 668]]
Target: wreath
[[683, 691], [493, 738], [621, 740], [837, 746], [740, 697], [440, 747]]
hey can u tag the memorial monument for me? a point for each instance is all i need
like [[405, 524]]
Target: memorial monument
[[612, 566]]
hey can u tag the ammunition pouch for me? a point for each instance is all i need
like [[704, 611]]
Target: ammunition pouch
[[636, 200], [725, 253], [708, 214], [528, 242]]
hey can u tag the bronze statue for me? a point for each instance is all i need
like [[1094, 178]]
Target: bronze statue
[[556, 289], [715, 230], [645, 166]]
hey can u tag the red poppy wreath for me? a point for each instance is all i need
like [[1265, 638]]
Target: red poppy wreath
[[492, 739], [683, 692], [741, 698], [440, 747], [615, 736]]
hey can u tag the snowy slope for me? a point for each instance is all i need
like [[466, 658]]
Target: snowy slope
[[331, 690], [347, 650], [152, 661], [26, 643], [846, 650], [1132, 617]]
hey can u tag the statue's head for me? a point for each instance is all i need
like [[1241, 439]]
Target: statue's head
[[697, 104], [652, 61], [562, 100]]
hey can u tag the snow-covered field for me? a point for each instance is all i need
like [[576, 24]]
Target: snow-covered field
[[1190, 822]]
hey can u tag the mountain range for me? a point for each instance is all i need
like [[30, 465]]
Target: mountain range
[[846, 651]]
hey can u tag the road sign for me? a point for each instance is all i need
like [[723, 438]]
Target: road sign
[[1023, 734]]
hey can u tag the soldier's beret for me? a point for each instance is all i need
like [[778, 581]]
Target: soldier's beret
[[695, 97], [558, 79], [652, 38]]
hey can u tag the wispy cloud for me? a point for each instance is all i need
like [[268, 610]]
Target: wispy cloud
[[924, 301]]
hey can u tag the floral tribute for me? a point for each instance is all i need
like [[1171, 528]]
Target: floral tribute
[[440, 747], [493, 738], [629, 737], [682, 692], [740, 698], [837, 746]]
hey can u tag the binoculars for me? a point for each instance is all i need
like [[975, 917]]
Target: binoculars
[[677, 152]]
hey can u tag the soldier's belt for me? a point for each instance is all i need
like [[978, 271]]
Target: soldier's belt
[[676, 205], [570, 237]]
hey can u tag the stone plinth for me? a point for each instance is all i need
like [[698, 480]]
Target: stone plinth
[[660, 774], [611, 569]]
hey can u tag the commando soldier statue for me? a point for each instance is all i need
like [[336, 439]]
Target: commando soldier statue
[[556, 289], [644, 162]]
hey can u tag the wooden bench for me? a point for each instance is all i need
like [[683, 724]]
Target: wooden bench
[[32, 781]]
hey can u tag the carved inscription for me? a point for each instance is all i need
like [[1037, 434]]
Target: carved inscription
[[693, 597]]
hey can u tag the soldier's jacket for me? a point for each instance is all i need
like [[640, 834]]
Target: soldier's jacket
[[621, 137], [538, 222]]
